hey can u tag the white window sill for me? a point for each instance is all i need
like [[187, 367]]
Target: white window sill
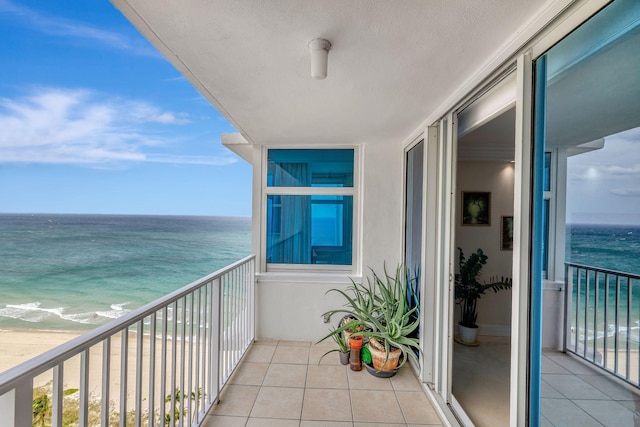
[[307, 277]]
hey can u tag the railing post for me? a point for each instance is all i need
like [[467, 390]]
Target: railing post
[[58, 394], [568, 293], [16, 406], [216, 323], [252, 300], [83, 418]]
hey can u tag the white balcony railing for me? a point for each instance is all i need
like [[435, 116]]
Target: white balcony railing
[[602, 319], [162, 364]]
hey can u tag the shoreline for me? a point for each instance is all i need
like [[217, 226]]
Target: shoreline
[[19, 346]]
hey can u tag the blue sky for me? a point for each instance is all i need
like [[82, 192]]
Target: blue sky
[[94, 120]]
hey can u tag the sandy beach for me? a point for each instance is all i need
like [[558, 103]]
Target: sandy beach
[[19, 346]]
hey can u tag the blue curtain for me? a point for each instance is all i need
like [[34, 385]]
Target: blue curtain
[[294, 244]]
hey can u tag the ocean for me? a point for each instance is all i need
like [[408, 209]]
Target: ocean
[[612, 247], [74, 272]]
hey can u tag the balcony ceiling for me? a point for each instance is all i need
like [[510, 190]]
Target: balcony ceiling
[[393, 62]]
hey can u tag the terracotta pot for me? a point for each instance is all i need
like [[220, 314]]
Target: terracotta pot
[[347, 333], [379, 355]]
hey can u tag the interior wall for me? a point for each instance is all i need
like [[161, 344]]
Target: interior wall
[[290, 305], [494, 309]]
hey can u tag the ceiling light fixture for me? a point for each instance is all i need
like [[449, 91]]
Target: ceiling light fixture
[[319, 49]]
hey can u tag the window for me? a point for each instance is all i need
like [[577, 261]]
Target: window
[[310, 196]]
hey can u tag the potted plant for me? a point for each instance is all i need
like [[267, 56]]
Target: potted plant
[[380, 308], [468, 291], [343, 347], [390, 333]]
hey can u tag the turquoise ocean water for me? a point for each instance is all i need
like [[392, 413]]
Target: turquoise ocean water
[[612, 247], [74, 272], [607, 247]]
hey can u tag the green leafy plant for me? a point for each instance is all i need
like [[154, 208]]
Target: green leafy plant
[[42, 409], [395, 323], [178, 397], [340, 340], [468, 288], [380, 306]]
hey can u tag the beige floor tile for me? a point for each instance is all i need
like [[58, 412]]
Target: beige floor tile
[[563, 412], [236, 400], [610, 387], [308, 423], [573, 387], [363, 380], [571, 364], [260, 353], [316, 352], [249, 373], [405, 380], [223, 421], [549, 366], [294, 343], [609, 413], [416, 408], [293, 355], [271, 422], [375, 406], [327, 377], [377, 425], [546, 390], [285, 375], [266, 342], [545, 422], [326, 405], [633, 405], [278, 402]]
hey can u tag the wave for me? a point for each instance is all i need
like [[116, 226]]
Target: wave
[[34, 312], [116, 311]]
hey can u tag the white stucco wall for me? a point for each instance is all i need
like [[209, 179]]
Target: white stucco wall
[[290, 305], [494, 309]]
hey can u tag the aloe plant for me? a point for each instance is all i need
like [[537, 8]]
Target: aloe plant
[[396, 322], [381, 307], [468, 288]]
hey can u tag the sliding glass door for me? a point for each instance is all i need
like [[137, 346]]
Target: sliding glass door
[[585, 272]]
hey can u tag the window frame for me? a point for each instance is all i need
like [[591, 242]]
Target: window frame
[[353, 191]]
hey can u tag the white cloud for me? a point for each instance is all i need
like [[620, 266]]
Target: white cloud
[[83, 127], [622, 170], [626, 192], [60, 27]]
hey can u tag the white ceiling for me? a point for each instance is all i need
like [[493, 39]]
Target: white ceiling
[[393, 62]]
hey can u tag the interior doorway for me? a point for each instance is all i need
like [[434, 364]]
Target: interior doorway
[[483, 224]]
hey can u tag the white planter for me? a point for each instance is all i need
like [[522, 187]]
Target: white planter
[[468, 335]]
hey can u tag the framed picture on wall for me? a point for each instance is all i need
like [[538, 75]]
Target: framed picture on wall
[[476, 208], [506, 233]]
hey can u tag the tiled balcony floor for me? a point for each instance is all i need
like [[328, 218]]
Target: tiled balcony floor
[[280, 383], [574, 393]]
